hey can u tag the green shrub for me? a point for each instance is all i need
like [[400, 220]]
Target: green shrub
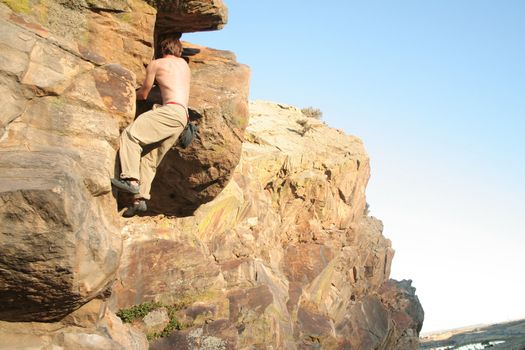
[[137, 311]]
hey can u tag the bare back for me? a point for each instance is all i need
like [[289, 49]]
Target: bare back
[[173, 77]]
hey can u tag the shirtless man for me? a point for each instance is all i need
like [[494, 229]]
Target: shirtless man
[[161, 125]]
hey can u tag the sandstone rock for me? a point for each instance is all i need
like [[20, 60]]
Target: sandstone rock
[[390, 320], [189, 16], [275, 250], [16, 47], [338, 159], [58, 226], [59, 131], [217, 335], [407, 314], [366, 326], [200, 313], [125, 335], [108, 88], [97, 328], [14, 103], [293, 262], [166, 265], [87, 315], [47, 73], [86, 35], [58, 251], [154, 322], [99, 31]]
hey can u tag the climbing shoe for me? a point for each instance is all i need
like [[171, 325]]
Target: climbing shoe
[[125, 186], [138, 207]]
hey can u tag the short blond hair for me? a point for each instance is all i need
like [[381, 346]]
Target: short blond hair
[[171, 46]]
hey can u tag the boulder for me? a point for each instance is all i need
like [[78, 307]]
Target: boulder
[[58, 251], [154, 322], [406, 313], [388, 320]]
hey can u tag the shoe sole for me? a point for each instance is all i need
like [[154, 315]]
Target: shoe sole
[[116, 183], [134, 210]]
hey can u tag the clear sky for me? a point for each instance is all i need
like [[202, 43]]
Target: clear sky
[[436, 90]]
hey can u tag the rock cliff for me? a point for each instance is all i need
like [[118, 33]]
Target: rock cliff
[[257, 235], [285, 256]]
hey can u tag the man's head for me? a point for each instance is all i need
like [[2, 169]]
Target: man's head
[[171, 46]]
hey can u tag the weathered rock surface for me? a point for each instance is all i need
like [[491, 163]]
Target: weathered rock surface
[[98, 31], [189, 16], [58, 249], [92, 327], [61, 245], [64, 107], [154, 322], [272, 247], [406, 313], [284, 257], [216, 335]]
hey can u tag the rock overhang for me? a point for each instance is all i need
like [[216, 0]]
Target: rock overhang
[[174, 16]]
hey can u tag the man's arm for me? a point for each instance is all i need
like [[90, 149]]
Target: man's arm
[[144, 90]]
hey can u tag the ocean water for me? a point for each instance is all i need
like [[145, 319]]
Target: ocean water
[[474, 346]]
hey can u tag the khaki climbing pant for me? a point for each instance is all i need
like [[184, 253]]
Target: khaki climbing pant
[[146, 141]]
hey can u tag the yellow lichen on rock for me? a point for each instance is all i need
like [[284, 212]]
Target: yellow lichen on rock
[[21, 6]]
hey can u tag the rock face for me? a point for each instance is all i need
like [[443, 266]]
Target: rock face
[[65, 104], [271, 246], [97, 31], [60, 243], [284, 257]]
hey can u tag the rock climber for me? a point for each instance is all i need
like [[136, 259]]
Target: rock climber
[[159, 128]]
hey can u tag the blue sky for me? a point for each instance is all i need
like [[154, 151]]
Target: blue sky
[[436, 90]]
